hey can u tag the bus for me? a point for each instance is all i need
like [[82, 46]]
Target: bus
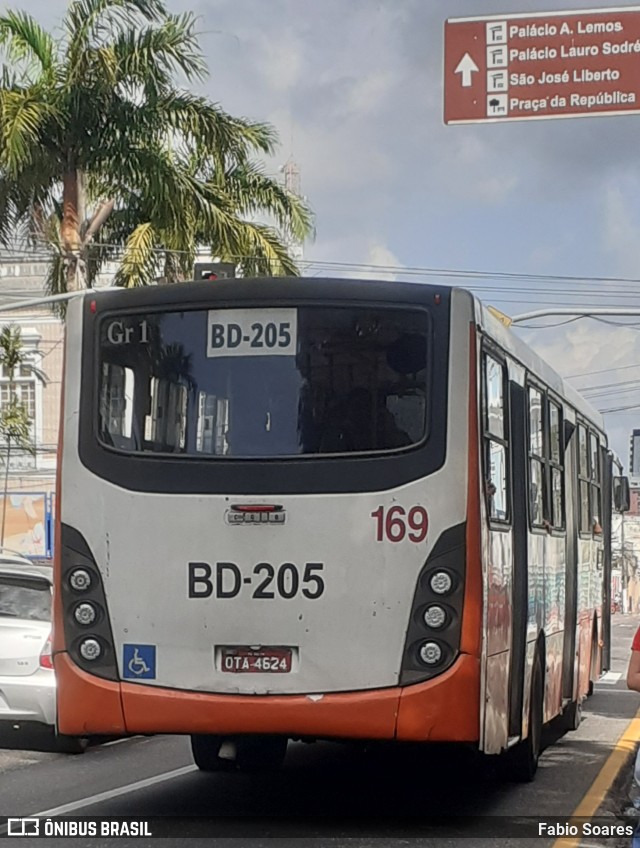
[[323, 509]]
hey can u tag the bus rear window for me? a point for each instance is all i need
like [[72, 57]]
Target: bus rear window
[[251, 383]]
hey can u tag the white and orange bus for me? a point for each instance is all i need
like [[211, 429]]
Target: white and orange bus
[[323, 509]]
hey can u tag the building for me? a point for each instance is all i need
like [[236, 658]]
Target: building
[[30, 481]]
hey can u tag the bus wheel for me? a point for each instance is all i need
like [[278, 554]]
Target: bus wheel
[[205, 750], [259, 754], [523, 758], [572, 716], [593, 666], [70, 744]]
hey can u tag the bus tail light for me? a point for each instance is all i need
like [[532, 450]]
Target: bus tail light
[[441, 582], [433, 636], [85, 613], [430, 653], [90, 649], [435, 617], [87, 629], [80, 580]]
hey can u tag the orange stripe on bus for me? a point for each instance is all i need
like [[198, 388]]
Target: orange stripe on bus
[[446, 709], [86, 704], [470, 641], [348, 715], [443, 709]]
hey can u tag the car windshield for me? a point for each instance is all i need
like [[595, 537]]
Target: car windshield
[[265, 382], [28, 598]]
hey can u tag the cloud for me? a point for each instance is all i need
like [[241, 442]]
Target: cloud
[[585, 347], [343, 255], [621, 231], [282, 61]]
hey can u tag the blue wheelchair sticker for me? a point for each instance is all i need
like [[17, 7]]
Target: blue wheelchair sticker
[[139, 662]]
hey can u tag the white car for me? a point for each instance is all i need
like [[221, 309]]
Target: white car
[[27, 679]]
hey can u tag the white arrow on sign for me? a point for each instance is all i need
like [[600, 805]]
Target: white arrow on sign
[[466, 67]]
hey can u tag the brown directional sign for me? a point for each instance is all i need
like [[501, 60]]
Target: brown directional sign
[[552, 65]]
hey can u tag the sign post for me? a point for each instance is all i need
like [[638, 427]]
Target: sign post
[[553, 65]]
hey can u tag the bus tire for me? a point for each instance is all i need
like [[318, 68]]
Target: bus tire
[[523, 758], [205, 750], [261, 754], [572, 716], [593, 664], [70, 744]]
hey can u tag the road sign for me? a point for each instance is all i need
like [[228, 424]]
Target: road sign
[[552, 65]]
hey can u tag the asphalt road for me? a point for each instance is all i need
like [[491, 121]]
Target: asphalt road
[[328, 792]]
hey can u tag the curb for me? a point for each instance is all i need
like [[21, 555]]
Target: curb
[[610, 775]]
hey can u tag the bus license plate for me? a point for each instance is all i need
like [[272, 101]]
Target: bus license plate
[[239, 660]]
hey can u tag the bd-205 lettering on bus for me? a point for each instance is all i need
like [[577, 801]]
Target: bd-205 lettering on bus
[[286, 581]]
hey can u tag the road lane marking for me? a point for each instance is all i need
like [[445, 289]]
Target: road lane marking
[[110, 793], [619, 758]]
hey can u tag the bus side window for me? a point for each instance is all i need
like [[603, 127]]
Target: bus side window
[[537, 464], [496, 443], [116, 404], [584, 480], [555, 460], [595, 483]]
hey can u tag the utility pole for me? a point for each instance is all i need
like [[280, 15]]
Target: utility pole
[[623, 570]]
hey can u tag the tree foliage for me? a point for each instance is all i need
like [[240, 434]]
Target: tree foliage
[[95, 120]]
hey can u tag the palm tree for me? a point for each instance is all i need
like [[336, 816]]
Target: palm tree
[[15, 423], [95, 122]]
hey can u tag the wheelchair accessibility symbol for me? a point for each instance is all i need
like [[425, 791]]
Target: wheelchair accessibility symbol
[[139, 662]]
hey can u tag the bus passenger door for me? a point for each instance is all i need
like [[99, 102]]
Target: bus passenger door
[[607, 508], [572, 501], [520, 604]]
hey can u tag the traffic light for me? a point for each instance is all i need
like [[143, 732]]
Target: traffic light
[[214, 270]]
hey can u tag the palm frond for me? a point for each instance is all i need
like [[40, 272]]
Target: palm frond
[[140, 261], [22, 115], [25, 39], [88, 20], [12, 353], [56, 279], [85, 18], [264, 254], [15, 425], [7, 211], [208, 127], [253, 191], [153, 54]]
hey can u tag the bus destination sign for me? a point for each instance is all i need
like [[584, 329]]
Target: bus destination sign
[[552, 65]]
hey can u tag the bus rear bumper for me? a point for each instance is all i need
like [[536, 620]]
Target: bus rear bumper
[[445, 709]]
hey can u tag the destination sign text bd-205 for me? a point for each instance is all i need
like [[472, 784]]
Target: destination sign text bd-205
[[552, 65]]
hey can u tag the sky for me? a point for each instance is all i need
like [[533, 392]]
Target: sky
[[355, 90]]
